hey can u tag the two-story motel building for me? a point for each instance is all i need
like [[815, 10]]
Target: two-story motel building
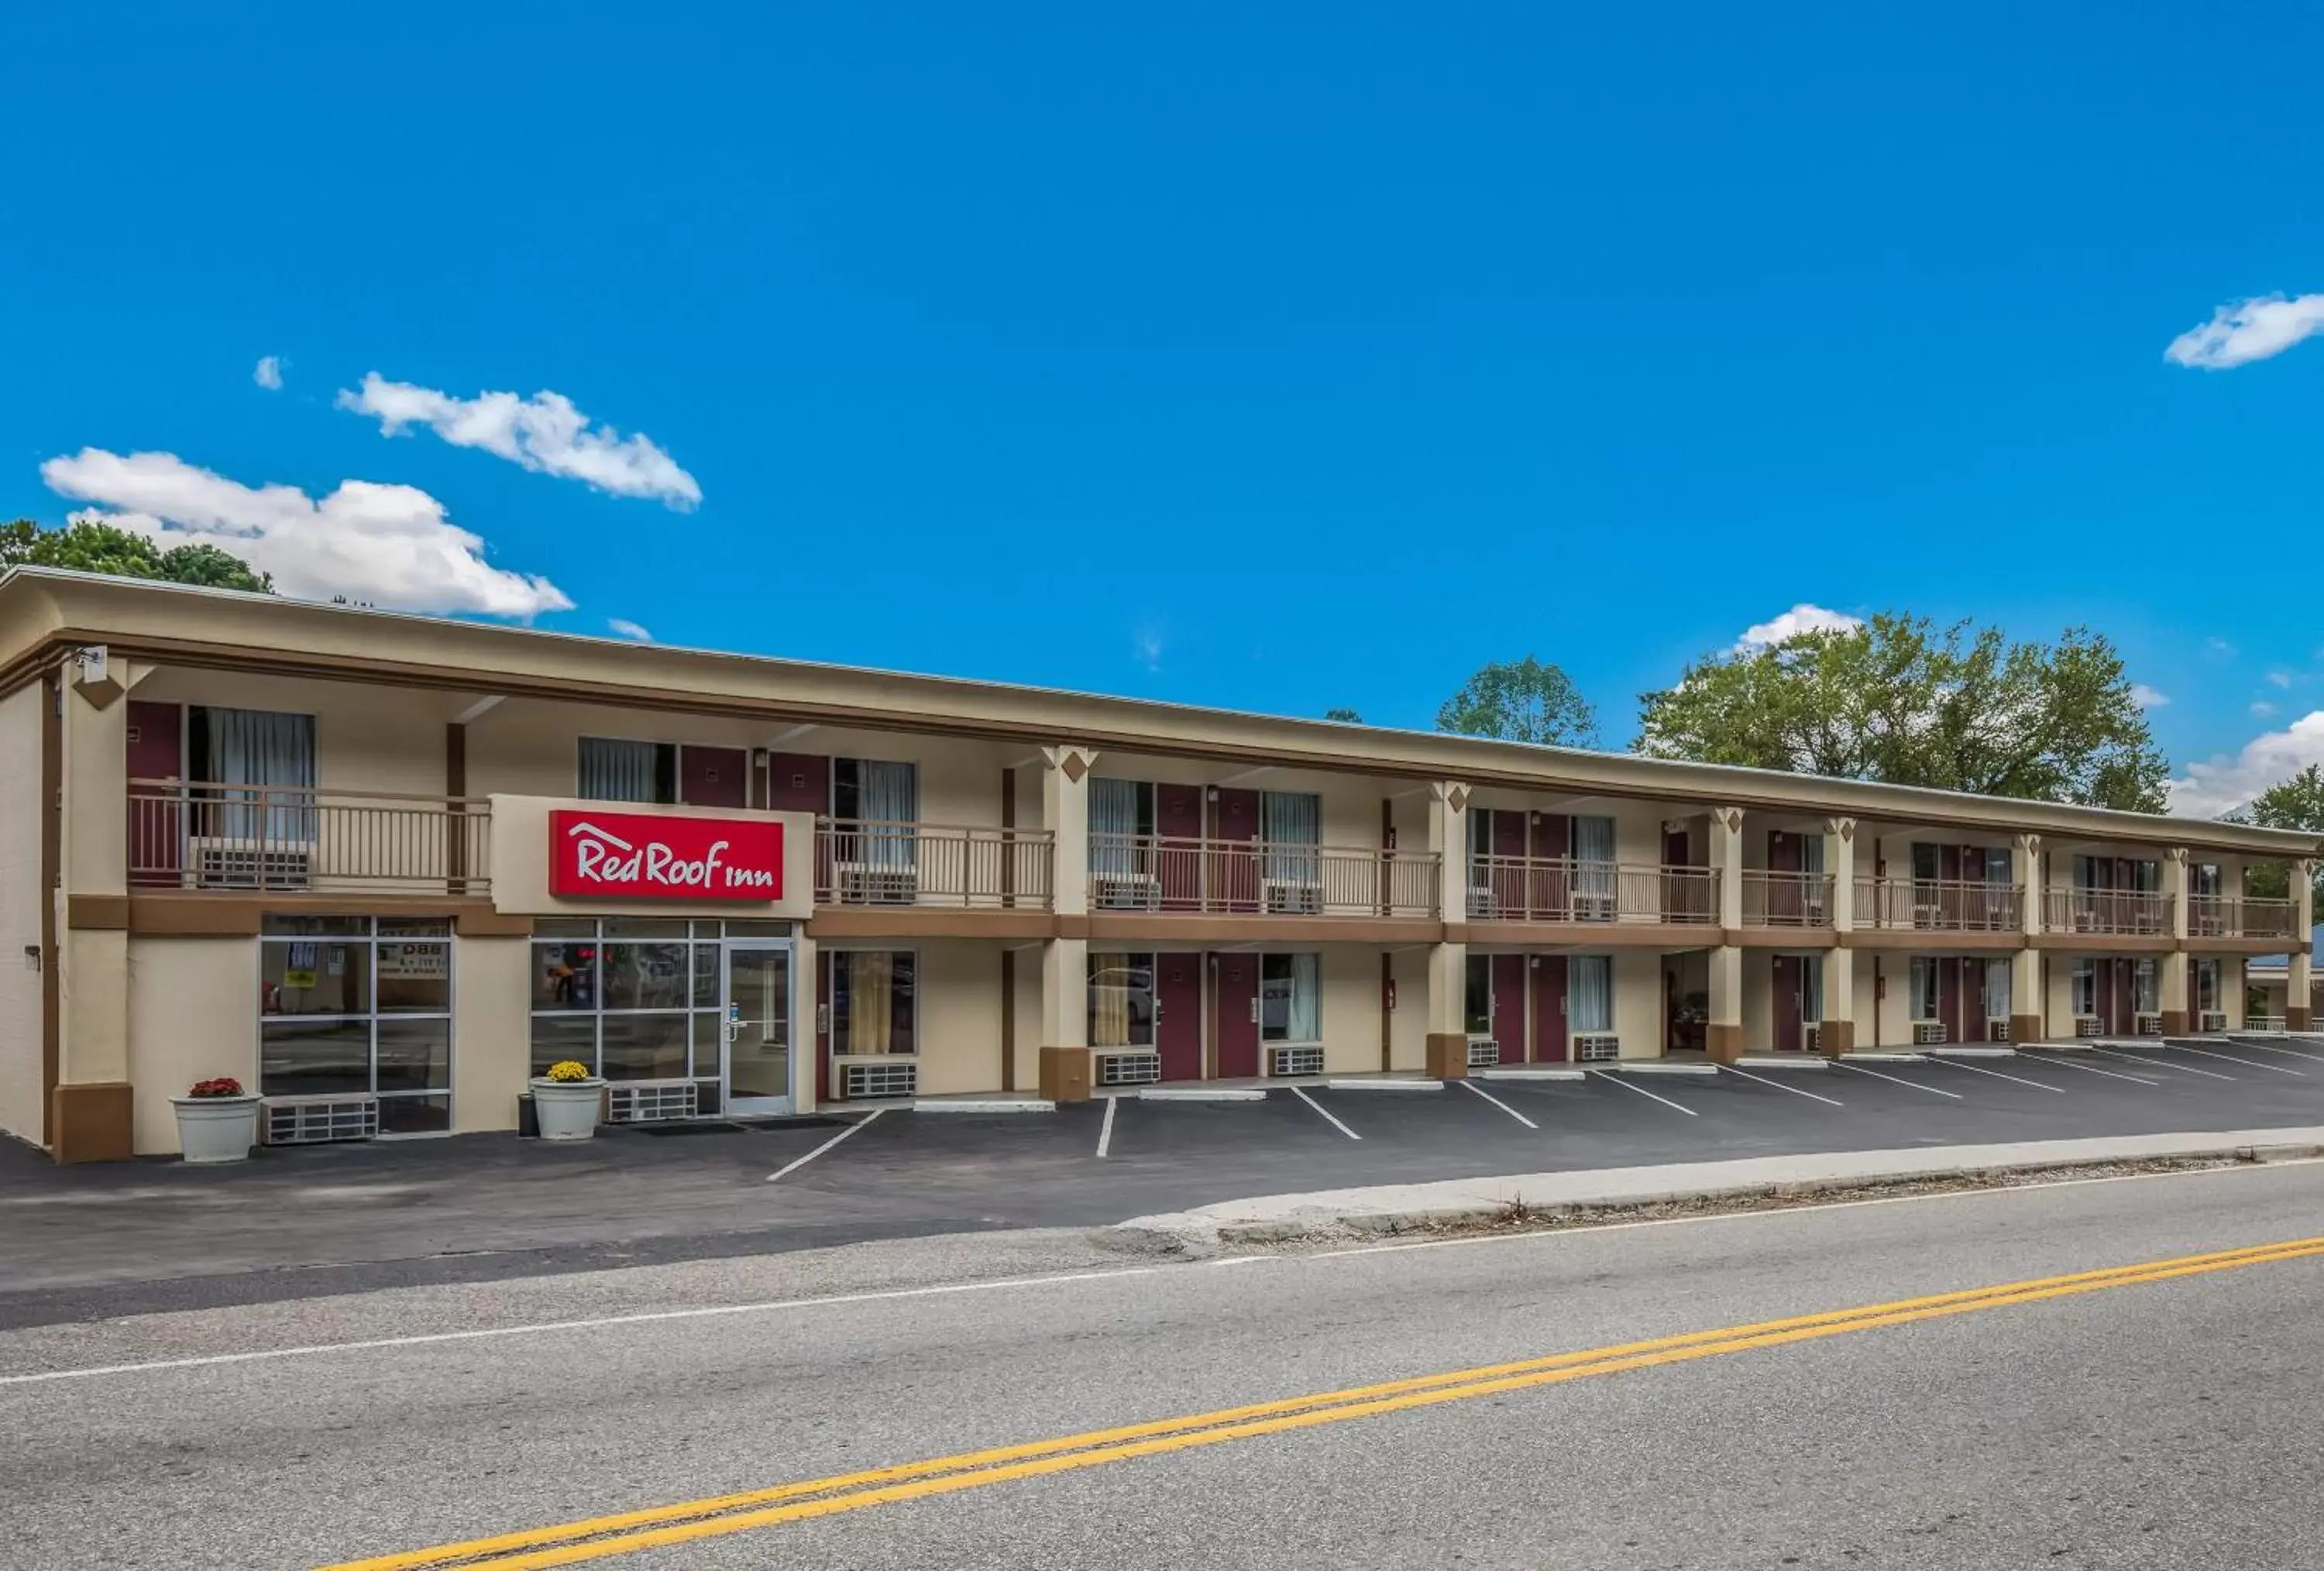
[[332, 852]]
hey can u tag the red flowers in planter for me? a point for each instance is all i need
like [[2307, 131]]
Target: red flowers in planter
[[224, 1085]]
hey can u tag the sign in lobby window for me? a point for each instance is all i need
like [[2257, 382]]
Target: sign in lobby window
[[349, 1005], [635, 998]]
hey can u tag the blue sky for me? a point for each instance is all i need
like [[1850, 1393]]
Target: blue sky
[[1277, 357]]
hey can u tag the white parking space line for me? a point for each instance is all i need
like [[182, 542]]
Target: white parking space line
[[2022, 1080], [1897, 1080], [802, 1161], [2251, 1063], [2271, 1048], [2064, 1063], [1779, 1086], [1327, 1112], [1497, 1102], [2163, 1064], [1105, 1129], [1641, 1090]]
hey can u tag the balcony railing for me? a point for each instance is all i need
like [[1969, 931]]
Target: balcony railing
[[1164, 873], [2216, 916], [2107, 912], [296, 839], [1787, 899], [1945, 905], [1526, 889], [862, 862]]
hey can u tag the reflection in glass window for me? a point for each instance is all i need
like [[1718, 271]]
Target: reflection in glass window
[[634, 998], [1290, 998], [348, 1006], [1121, 1000], [874, 1002]]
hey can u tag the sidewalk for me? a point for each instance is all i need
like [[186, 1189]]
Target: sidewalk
[[1393, 1208]]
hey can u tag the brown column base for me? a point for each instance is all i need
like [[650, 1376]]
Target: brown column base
[[2174, 1022], [1723, 1042], [2298, 1019], [1065, 1073], [92, 1123], [2025, 1028], [1448, 1056], [1835, 1036]]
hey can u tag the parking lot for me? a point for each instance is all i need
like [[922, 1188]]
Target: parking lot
[[85, 1241]]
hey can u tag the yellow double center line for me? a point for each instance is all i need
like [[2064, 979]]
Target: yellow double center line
[[629, 1532]]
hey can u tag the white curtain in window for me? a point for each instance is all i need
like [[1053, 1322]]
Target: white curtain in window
[[1113, 823], [1924, 989], [1811, 989], [1997, 991], [1590, 993], [1812, 853], [617, 771], [256, 748], [1306, 1021], [1593, 855], [889, 797], [1292, 825]]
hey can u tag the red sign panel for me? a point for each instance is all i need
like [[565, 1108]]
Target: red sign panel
[[647, 856]]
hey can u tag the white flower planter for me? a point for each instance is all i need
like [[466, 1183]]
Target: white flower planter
[[567, 1109], [216, 1129]]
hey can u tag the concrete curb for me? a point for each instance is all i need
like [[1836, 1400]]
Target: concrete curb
[[1782, 1061], [1198, 1093], [1383, 1085], [1657, 1066], [1409, 1207], [988, 1105], [1991, 1052], [1529, 1074], [1876, 1057]]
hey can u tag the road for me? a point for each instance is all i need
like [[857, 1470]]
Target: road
[[2163, 1419]]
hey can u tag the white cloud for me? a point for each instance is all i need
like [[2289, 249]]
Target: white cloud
[[269, 374], [386, 545], [2224, 783], [1148, 648], [544, 433], [2147, 697], [2248, 330], [2261, 708], [621, 626], [2220, 647], [1800, 618], [2281, 679]]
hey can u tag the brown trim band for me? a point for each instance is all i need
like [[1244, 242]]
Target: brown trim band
[[1588, 937], [1786, 937], [1209, 932], [1933, 942], [920, 922], [172, 915], [2107, 943], [96, 913]]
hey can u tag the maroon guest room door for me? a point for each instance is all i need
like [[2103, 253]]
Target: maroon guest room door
[[1509, 1007], [1235, 879], [1235, 1017], [1790, 981], [1178, 823], [156, 749], [713, 777], [1549, 1009], [1179, 1007]]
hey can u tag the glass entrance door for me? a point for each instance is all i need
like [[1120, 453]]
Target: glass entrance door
[[757, 1026]]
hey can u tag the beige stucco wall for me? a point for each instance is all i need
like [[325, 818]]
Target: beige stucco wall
[[1351, 1010], [20, 912], [366, 738], [1638, 1002], [193, 1015], [492, 1026], [960, 1017], [1408, 1022]]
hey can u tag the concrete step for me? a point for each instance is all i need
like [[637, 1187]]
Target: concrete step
[[1514, 1073], [1657, 1066], [983, 1105], [1383, 1085], [1880, 1057], [1782, 1061], [1985, 1052], [1202, 1094]]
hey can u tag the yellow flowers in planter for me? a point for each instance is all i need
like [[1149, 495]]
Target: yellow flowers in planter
[[567, 1071]]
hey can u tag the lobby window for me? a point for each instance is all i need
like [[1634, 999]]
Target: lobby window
[[349, 1005], [1290, 998], [635, 998], [875, 1002], [1121, 1000]]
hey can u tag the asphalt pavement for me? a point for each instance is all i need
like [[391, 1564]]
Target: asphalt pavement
[[2161, 1419]]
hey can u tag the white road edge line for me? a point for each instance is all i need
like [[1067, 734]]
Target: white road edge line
[[1105, 1130], [1898, 1080], [2163, 1063], [1497, 1102], [1327, 1112], [1642, 1091], [2022, 1080], [798, 1163], [639, 1318], [1779, 1086], [2248, 1063], [2066, 1063]]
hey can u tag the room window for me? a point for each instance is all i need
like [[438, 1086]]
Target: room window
[[1292, 825], [2147, 987], [1590, 993], [1594, 863], [635, 998], [1996, 990], [1923, 988], [615, 770], [1121, 818], [2082, 989], [874, 1002], [358, 1006], [1290, 1002], [1477, 996], [1121, 1000], [264, 764], [2209, 994], [1811, 988]]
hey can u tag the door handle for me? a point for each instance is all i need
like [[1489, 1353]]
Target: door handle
[[1254, 1012]]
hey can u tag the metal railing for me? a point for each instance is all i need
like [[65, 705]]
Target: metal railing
[[1527, 889], [1950, 905], [2136, 913], [1787, 899], [2221, 916], [294, 839], [866, 863], [1170, 875]]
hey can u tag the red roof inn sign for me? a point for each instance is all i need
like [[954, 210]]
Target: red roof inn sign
[[640, 856]]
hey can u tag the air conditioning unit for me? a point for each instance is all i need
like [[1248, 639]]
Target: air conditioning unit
[[1123, 892], [2214, 1019], [866, 884], [223, 863], [1996, 1029], [1484, 1052], [314, 1120], [1135, 1069], [1597, 1047], [1928, 1033], [1593, 908], [1483, 905], [2147, 1023], [1301, 1061], [869, 1077], [1292, 898], [2089, 1025], [1812, 1038], [650, 1101]]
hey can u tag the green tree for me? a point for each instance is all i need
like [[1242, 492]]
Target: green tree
[[89, 547], [2297, 803], [1901, 701], [1345, 716], [1521, 701]]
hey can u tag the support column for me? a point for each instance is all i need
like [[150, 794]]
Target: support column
[[1064, 1066], [1722, 1032], [2298, 1012], [2171, 991], [1835, 1032], [2028, 1009], [1447, 1048], [91, 1114]]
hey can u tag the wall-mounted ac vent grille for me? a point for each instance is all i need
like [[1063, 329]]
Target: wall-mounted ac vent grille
[[1928, 1033], [1812, 1038], [2148, 1023], [1287, 1061], [2215, 1019], [2089, 1025], [1996, 1030], [1290, 899], [1597, 1047], [1114, 892], [1483, 1052], [313, 1120], [1128, 1069], [879, 1077], [862, 884], [247, 864], [648, 1101]]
